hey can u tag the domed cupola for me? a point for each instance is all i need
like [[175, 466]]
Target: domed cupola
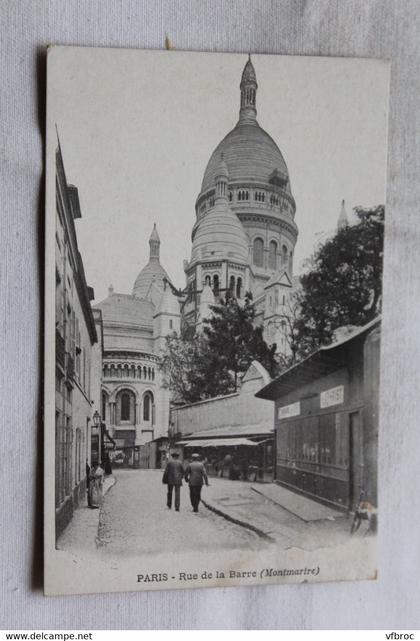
[[219, 234], [250, 153]]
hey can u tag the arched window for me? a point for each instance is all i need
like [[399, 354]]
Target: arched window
[[216, 285], [239, 288], [284, 256], [207, 281], [230, 196], [139, 372], [147, 406], [232, 285], [125, 406], [258, 252], [272, 255]]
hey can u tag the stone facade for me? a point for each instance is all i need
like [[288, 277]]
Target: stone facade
[[75, 338], [134, 402]]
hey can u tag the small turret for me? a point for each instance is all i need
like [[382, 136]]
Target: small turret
[[221, 180], [343, 221], [166, 318], [154, 244], [206, 300], [249, 88]]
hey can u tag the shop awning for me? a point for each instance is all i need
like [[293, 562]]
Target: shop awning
[[217, 442]]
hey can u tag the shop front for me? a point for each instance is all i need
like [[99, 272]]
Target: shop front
[[234, 458]]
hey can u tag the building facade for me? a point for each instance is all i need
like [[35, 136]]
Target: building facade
[[245, 233], [75, 338], [134, 402], [326, 420], [238, 424]]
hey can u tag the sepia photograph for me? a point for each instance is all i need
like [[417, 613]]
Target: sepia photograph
[[214, 261]]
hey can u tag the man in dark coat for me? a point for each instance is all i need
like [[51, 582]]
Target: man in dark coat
[[195, 475], [173, 475]]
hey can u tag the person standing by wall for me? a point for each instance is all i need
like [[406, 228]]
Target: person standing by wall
[[95, 485], [173, 475], [196, 476]]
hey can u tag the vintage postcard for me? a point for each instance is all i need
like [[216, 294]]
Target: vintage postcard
[[214, 252]]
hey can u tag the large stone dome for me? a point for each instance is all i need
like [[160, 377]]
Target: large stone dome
[[250, 154], [220, 234]]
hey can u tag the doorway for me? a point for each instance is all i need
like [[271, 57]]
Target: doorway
[[356, 458]]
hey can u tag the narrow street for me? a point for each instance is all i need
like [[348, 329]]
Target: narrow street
[[134, 520]]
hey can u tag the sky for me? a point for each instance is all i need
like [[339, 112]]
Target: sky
[[137, 129]]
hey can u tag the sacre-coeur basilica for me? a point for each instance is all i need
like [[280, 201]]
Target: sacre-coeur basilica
[[243, 240]]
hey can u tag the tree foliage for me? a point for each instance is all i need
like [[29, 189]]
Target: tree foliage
[[344, 283], [233, 342]]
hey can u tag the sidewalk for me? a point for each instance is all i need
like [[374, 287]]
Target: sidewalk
[[82, 531], [259, 508]]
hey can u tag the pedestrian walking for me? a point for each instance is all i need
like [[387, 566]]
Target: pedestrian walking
[[196, 475], [226, 465], [96, 476], [172, 476]]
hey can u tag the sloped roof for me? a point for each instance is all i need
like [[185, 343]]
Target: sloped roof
[[323, 361], [258, 429], [281, 278], [124, 309]]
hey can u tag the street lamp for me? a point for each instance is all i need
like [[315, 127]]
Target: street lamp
[[96, 437]]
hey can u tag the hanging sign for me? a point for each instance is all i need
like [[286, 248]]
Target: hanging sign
[[287, 411], [333, 396]]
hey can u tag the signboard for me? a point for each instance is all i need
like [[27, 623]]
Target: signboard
[[333, 396], [287, 411]]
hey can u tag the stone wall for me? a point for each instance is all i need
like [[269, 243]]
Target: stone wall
[[241, 409]]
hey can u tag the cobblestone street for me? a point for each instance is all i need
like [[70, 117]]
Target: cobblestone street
[[134, 520]]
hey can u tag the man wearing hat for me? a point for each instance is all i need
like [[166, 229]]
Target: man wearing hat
[[173, 475], [196, 475]]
